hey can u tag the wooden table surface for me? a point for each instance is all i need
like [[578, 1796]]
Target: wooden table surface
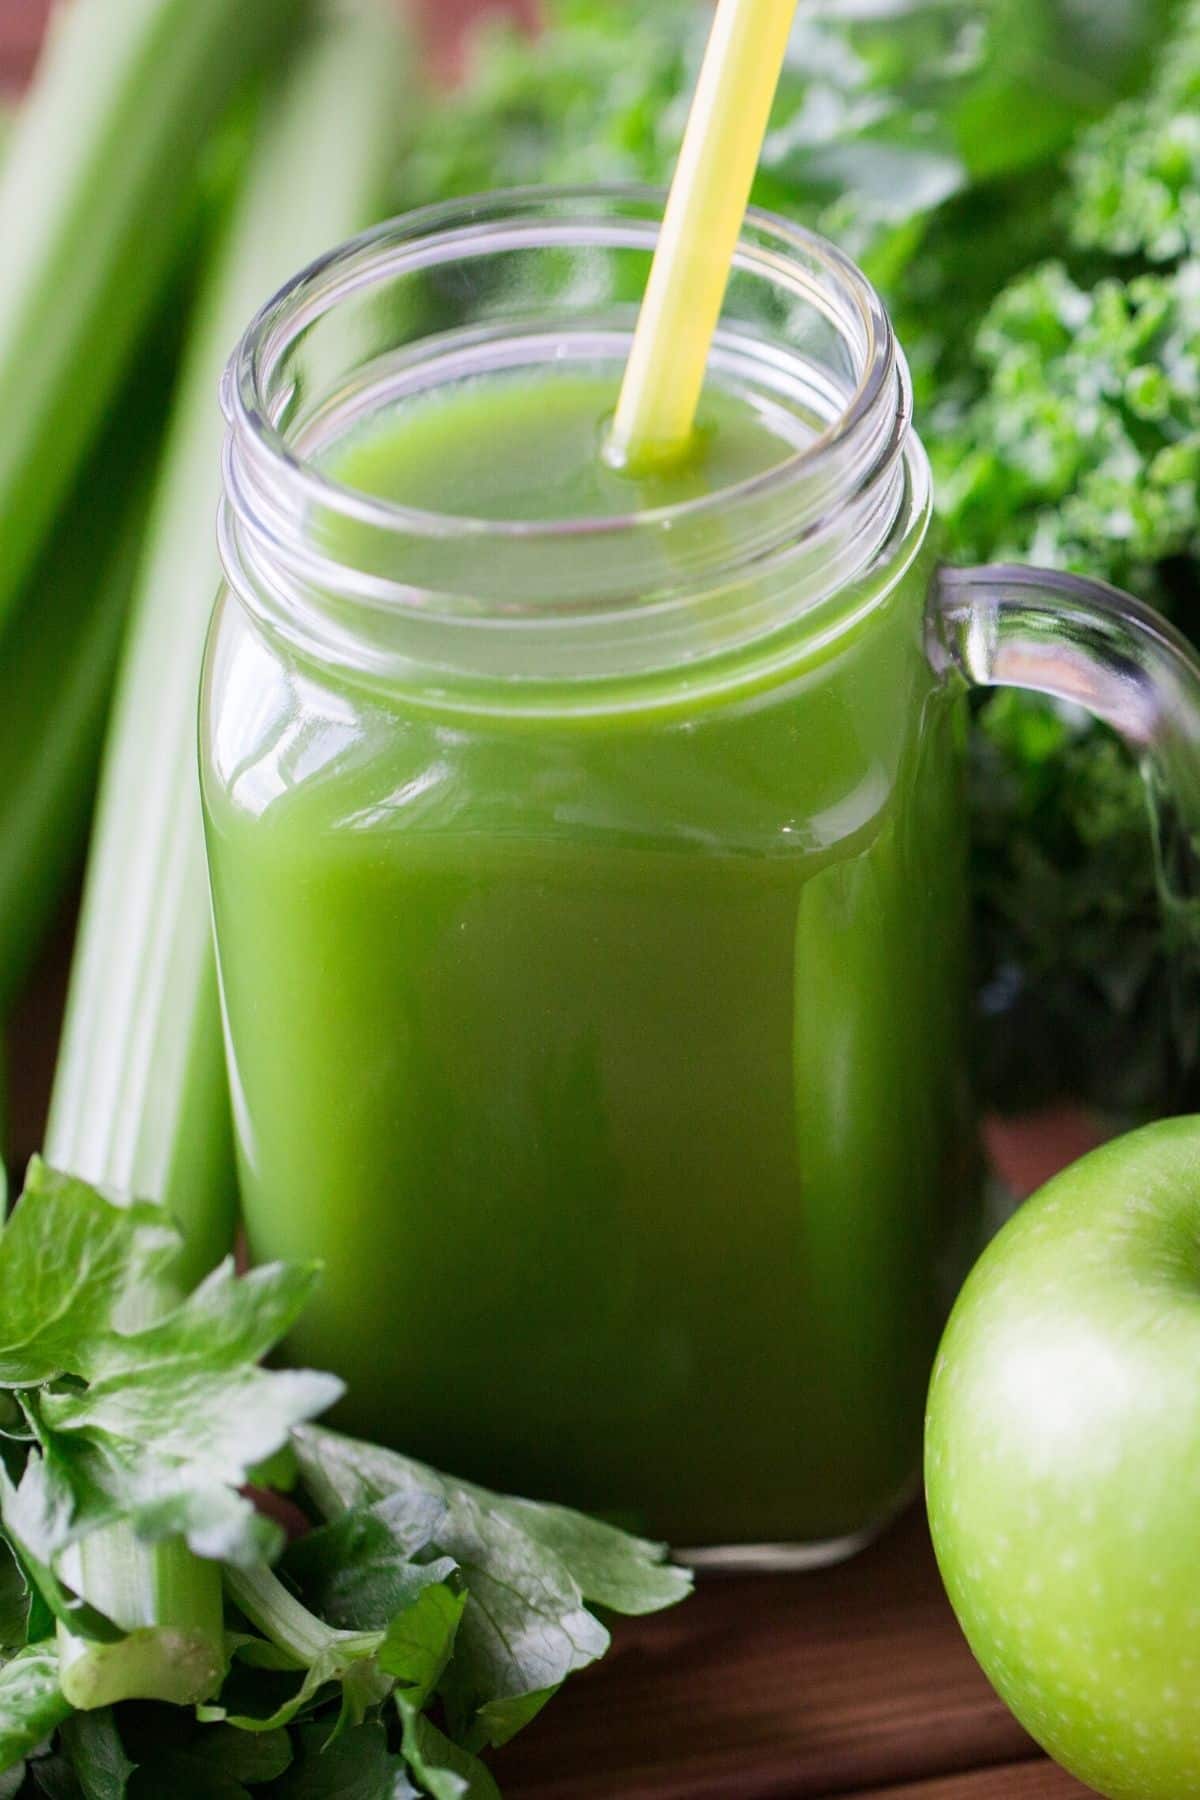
[[852, 1682]]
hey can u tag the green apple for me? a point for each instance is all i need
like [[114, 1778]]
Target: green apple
[[1062, 1464]]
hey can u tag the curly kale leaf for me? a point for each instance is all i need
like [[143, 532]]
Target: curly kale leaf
[[885, 111], [1082, 448], [1082, 451], [600, 95], [1136, 177], [1074, 983]]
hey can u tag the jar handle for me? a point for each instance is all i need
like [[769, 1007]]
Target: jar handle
[[1006, 625]]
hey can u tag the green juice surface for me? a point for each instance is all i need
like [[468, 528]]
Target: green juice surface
[[612, 1066], [533, 447]]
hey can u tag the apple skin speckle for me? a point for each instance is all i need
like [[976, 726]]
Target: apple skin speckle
[[1063, 1464]]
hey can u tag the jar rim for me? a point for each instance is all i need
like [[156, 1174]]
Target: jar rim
[[768, 243], [443, 604]]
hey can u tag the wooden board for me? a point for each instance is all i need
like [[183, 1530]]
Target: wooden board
[[852, 1683], [1021, 1781], [849, 1682]]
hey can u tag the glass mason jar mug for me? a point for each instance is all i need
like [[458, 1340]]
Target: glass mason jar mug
[[590, 893]]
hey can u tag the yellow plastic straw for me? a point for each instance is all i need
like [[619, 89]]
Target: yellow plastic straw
[[656, 412]]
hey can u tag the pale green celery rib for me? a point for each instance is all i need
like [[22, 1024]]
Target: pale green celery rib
[[54, 683], [283, 1620], [95, 196], [140, 1098], [58, 654], [172, 1608]]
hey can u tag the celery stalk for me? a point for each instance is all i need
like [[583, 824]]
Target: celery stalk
[[140, 1097], [275, 1611], [58, 654], [172, 1609], [95, 197], [55, 675]]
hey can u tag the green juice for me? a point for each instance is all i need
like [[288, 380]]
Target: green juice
[[612, 1062]]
